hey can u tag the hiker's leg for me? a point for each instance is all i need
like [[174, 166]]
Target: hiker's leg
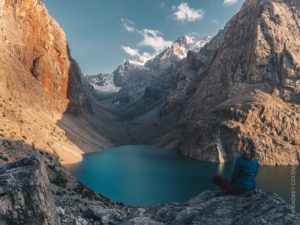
[[226, 185], [223, 183], [236, 191]]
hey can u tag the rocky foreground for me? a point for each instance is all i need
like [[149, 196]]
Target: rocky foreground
[[28, 197]]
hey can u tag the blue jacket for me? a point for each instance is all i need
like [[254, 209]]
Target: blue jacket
[[244, 173]]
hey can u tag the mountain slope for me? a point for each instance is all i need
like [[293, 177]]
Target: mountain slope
[[249, 86], [40, 85], [141, 87]]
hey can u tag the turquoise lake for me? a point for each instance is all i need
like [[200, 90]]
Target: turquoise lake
[[144, 176]]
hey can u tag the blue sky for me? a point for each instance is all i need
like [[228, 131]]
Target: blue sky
[[102, 33]]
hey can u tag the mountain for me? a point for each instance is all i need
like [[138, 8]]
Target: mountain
[[185, 78], [140, 86], [176, 52], [47, 121], [43, 103], [45, 114], [104, 83], [247, 84], [31, 65]]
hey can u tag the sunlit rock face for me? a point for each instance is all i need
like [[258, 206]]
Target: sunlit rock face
[[35, 62], [39, 82], [247, 84]]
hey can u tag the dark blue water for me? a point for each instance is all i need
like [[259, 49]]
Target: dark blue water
[[145, 175]]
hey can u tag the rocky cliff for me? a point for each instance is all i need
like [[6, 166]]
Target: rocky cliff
[[248, 85], [185, 80], [25, 195], [39, 82], [34, 57]]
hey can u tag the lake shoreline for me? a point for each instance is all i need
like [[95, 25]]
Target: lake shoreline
[[137, 169]]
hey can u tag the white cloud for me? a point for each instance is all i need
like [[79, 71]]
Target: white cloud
[[153, 39], [131, 51], [230, 2], [184, 13], [150, 38], [145, 57], [138, 58], [128, 25]]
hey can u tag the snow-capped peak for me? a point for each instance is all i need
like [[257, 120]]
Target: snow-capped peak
[[188, 43], [103, 83], [176, 52], [182, 45], [129, 65], [185, 41]]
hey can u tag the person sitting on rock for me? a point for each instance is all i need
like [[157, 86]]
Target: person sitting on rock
[[244, 171]]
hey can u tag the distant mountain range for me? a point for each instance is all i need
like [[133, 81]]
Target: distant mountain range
[[242, 82], [135, 87]]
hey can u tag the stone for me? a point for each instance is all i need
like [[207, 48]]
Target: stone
[[106, 215], [141, 221], [210, 208], [81, 221], [25, 196], [60, 211], [40, 85]]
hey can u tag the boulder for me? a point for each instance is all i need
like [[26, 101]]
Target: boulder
[[25, 196], [209, 207]]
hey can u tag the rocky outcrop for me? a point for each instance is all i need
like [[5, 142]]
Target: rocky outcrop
[[37, 68], [185, 82], [43, 102], [209, 207], [248, 86], [25, 196], [34, 55], [78, 100]]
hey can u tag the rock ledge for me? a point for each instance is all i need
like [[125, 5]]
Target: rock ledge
[[25, 197]]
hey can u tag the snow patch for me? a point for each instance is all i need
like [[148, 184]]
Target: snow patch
[[104, 83]]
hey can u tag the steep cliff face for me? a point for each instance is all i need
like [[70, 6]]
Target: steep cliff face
[[192, 65], [39, 82], [34, 56], [78, 100], [249, 86]]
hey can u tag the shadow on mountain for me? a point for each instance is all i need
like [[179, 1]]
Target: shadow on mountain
[[91, 128]]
